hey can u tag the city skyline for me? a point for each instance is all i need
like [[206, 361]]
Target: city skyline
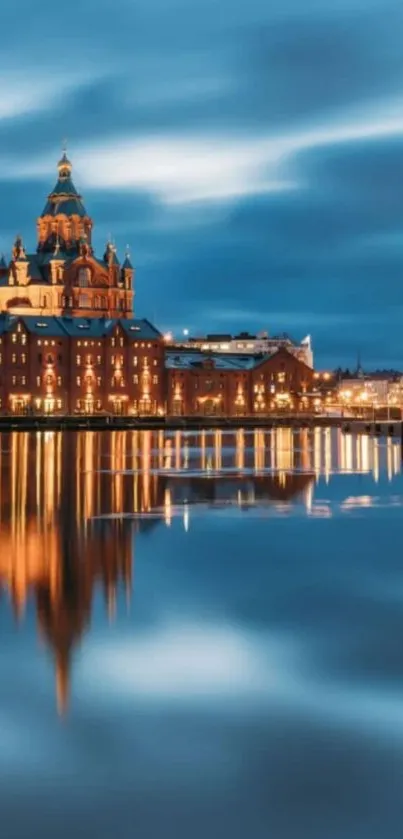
[[251, 161]]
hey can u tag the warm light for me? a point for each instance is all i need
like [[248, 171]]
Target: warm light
[[168, 337]]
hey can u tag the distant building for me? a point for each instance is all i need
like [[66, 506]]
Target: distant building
[[227, 385], [251, 345], [64, 276]]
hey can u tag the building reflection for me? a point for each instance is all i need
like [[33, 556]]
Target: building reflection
[[71, 505]]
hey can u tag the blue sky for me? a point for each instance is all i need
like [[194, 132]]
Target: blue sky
[[251, 154]]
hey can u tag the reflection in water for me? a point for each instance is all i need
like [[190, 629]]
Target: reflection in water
[[63, 532]]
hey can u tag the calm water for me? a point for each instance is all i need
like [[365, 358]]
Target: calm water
[[201, 635]]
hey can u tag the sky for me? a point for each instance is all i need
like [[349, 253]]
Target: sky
[[249, 153]]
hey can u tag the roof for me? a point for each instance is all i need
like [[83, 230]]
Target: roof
[[140, 329], [175, 360], [77, 327], [40, 325], [66, 205], [127, 263]]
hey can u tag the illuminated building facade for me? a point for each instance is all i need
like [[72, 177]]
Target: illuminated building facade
[[64, 276], [65, 365], [248, 344], [225, 385]]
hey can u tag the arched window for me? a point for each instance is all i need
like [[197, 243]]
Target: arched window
[[83, 278], [84, 301]]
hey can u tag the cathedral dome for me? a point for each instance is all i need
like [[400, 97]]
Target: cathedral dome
[[64, 199]]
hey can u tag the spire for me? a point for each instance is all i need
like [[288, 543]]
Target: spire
[[18, 249], [127, 262]]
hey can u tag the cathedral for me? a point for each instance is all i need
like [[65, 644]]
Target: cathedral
[[64, 277]]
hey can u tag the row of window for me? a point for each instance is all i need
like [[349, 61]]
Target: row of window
[[116, 381]]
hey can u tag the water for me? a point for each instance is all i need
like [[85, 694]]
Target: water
[[201, 635]]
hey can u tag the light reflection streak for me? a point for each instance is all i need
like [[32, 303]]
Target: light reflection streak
[[53, 548]]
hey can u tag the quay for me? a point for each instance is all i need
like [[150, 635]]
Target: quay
[[380, 428]]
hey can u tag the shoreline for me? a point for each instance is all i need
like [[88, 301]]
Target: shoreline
[[382, 427]]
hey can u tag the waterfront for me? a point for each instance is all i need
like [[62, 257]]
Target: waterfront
[[200, 632]]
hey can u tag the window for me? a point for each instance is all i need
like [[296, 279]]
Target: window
[[135, 380], [49, 380], [14, 379], [38, 381], [23, 358], [155, 380], [83, 278], [23, 338], [78, 380], [99, 381], [89, 359], [13, 358], [23, 380], [112, 359], [135, 361], [59, 380], [78, 360], [99, 360], [121, 342], [113, 342], [59, 404], [14, 338], [84, 301], [155, 362]]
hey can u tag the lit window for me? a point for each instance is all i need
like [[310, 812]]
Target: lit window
[[83, 278], [89, 359], [23, 380], [99, 360], [135, 380], [23, 358], [14, 338], [59, 380], [135, 361], [78, 360], [99, 381], [121, 342], [14, 379], [38, 381], [155, 380], [155, 362], [13, 358], [59, 403], [112, 342], [78, 380], [23, 338]]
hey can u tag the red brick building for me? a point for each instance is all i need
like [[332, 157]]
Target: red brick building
[[65, 365], [224, 385]]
